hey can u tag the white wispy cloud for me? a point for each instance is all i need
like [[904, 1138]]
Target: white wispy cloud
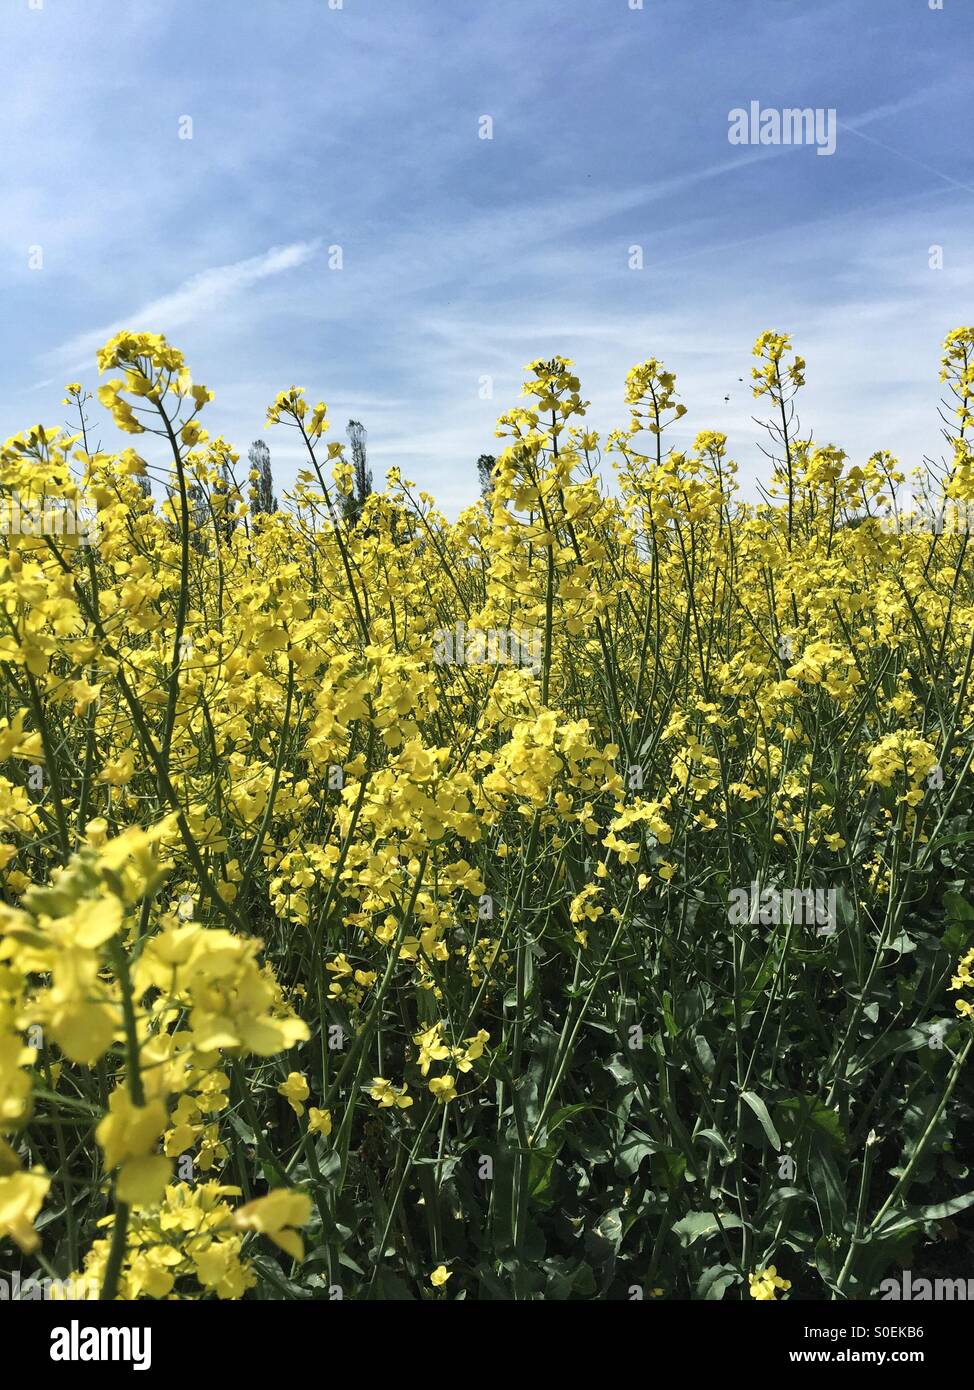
[[465, 258], [193, 299]]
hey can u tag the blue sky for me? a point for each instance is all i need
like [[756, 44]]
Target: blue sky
[[465, 258]]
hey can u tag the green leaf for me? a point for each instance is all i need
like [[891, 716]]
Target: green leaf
[[704, 1054], [958, 908], [908, 1218], [796, 1113], [540, 1175], [902, 1040], [826, 1183], [568, 1279], [634, 1148], [752, 1099], [714, 1280], [716, 1141], [903, 944], [700, 1225], [668, 1167], [560, 1116]]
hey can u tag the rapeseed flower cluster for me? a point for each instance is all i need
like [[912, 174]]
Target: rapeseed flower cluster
[[310, 940]]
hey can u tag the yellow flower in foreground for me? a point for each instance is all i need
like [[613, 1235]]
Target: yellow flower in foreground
[[765, 1282], [128, 1135], [439, 1276], [117, 772], [319, 1121], [21, 1196], [964, 979], [388, 1095], [276, 1216], [431, 1046], [474, 1051], [295, 1090], [443, 1088]]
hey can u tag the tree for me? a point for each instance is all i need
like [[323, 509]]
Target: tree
[[226, 487], [485, 471], [260, 463], [198, 517], [354, 504]]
